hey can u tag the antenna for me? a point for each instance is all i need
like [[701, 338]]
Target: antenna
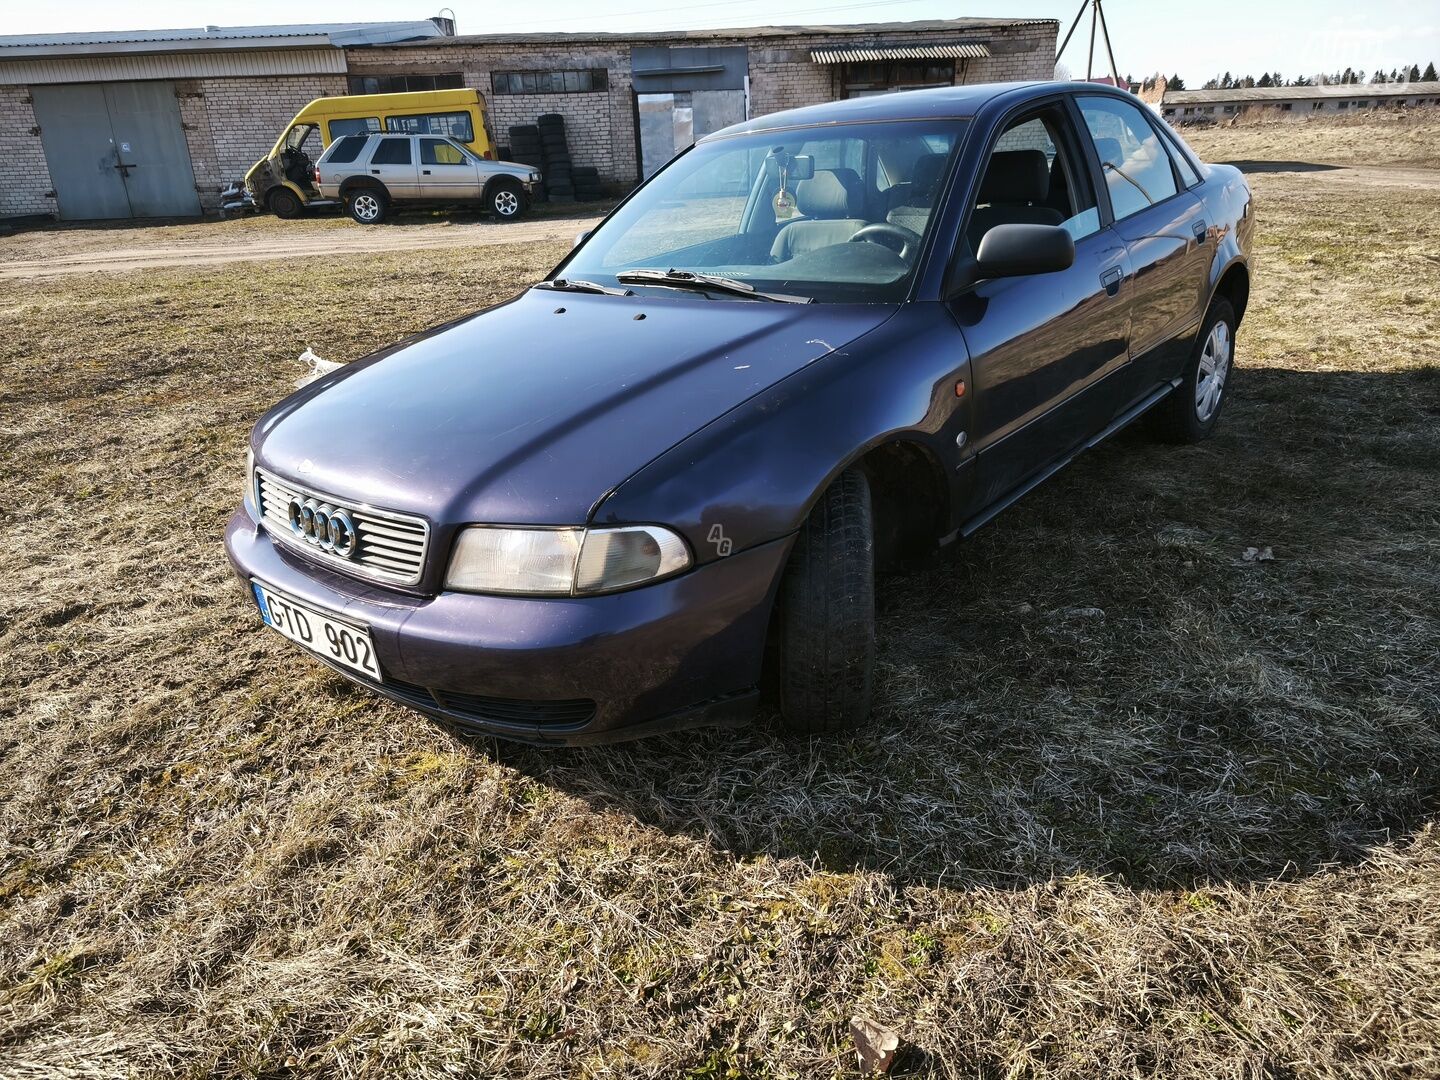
[[1097, 19]]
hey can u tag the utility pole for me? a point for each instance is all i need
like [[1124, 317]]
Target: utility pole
[[1097, 20]]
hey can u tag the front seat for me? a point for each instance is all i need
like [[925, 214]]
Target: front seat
[[1013, 192], [911, 203], [832, 202]]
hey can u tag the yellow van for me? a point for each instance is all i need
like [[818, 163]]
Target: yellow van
[[284, 182]]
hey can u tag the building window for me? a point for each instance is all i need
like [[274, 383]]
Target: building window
[[405, 84], [1286, 107], [1229, 109], [884, 76], [551, 82], [1344, 104]]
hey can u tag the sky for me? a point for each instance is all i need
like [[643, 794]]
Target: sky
[[1294, 37]]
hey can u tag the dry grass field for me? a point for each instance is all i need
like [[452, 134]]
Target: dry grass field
[[1130, 806]]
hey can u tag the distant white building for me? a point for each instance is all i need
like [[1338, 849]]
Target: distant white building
[[1181, 105]]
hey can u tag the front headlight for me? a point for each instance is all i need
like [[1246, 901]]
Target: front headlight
[[563, 562], [247, 493]]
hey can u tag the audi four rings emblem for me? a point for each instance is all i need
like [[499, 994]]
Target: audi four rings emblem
[[327, 527]]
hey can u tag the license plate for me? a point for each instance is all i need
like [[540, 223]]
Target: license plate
[[342, 642]]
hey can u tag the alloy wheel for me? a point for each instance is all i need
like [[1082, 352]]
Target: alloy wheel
[[1213, 370], [366, 207], [507, 204]]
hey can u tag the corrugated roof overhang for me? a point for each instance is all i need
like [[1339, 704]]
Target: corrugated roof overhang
[[964, 50]]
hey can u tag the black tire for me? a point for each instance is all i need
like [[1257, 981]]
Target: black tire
[[284, 203], [1188, 415], [367, 205], [586, 171], [522, 130], [505, 200], [825, 616]]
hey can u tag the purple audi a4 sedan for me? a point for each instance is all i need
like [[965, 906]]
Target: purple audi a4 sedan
[[814, 343]]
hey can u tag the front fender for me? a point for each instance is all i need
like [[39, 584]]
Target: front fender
[[751, 475]]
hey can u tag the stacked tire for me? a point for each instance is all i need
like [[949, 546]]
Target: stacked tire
[[555, 152], [525, 146], [587, 183]]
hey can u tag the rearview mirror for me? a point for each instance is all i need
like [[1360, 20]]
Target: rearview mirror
[[1021, 250]]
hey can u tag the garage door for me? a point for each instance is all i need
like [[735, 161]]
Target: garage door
[[116, 150]]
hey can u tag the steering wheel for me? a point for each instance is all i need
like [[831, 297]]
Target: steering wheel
[[904, 242]]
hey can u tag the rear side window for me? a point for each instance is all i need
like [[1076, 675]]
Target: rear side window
[[392, 152], [456, 125], [347, 149], [1136, 164], [440, 152], [354, 126]]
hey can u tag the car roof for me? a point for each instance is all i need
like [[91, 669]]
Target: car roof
[[942, 102]]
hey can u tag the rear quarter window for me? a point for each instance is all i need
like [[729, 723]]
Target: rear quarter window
[[346, 150]]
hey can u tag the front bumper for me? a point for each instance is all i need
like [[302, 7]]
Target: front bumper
[[675, 654]]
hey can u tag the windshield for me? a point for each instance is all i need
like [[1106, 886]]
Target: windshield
[[833, 213]]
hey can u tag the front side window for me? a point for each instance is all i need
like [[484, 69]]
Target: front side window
[[1033, 177], [354, 125], [440, 152], [1136, 165], [832, 213], [392, 152], [455, 125]]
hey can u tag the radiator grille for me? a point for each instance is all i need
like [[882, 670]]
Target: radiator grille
[[389, 547]]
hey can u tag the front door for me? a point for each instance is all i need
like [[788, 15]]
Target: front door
[[1045, 350], [116, 150], [446, 173]]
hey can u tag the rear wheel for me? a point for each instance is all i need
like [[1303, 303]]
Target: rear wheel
[[367, 205], [825, 619], [505, 200], [1191, 412], [284, 203]]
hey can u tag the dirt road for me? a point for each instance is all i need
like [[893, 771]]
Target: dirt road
[[55, 252]]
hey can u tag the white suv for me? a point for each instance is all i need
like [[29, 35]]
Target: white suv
[[370, 172]]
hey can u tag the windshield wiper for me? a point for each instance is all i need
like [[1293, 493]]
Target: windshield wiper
[[685, 279], [576, 285]]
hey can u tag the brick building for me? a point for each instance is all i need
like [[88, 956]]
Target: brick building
[[208, 103]]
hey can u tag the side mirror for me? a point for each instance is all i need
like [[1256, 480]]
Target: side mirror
[[1021, 250], [581, 237]]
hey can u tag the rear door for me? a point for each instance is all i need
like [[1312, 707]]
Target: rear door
[[392, 162], [1045, 350], [447, 172], [1164, 229]]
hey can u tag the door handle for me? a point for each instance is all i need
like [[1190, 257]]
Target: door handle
[[424, 172], [1201, 229], [375, 171], [1111, 280]]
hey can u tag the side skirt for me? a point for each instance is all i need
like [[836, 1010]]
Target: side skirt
[[1006, 501]]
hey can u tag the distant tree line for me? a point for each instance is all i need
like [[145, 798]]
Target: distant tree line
[[1337, 78]]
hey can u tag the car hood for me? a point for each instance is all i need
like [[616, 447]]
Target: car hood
[[530, 412]]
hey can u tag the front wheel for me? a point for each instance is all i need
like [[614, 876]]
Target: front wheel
[[368, 206], [825, 620], [284, 203], [1191, 412], [505, 200]]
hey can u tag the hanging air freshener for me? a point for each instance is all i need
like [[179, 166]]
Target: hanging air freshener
[[784, 201]]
